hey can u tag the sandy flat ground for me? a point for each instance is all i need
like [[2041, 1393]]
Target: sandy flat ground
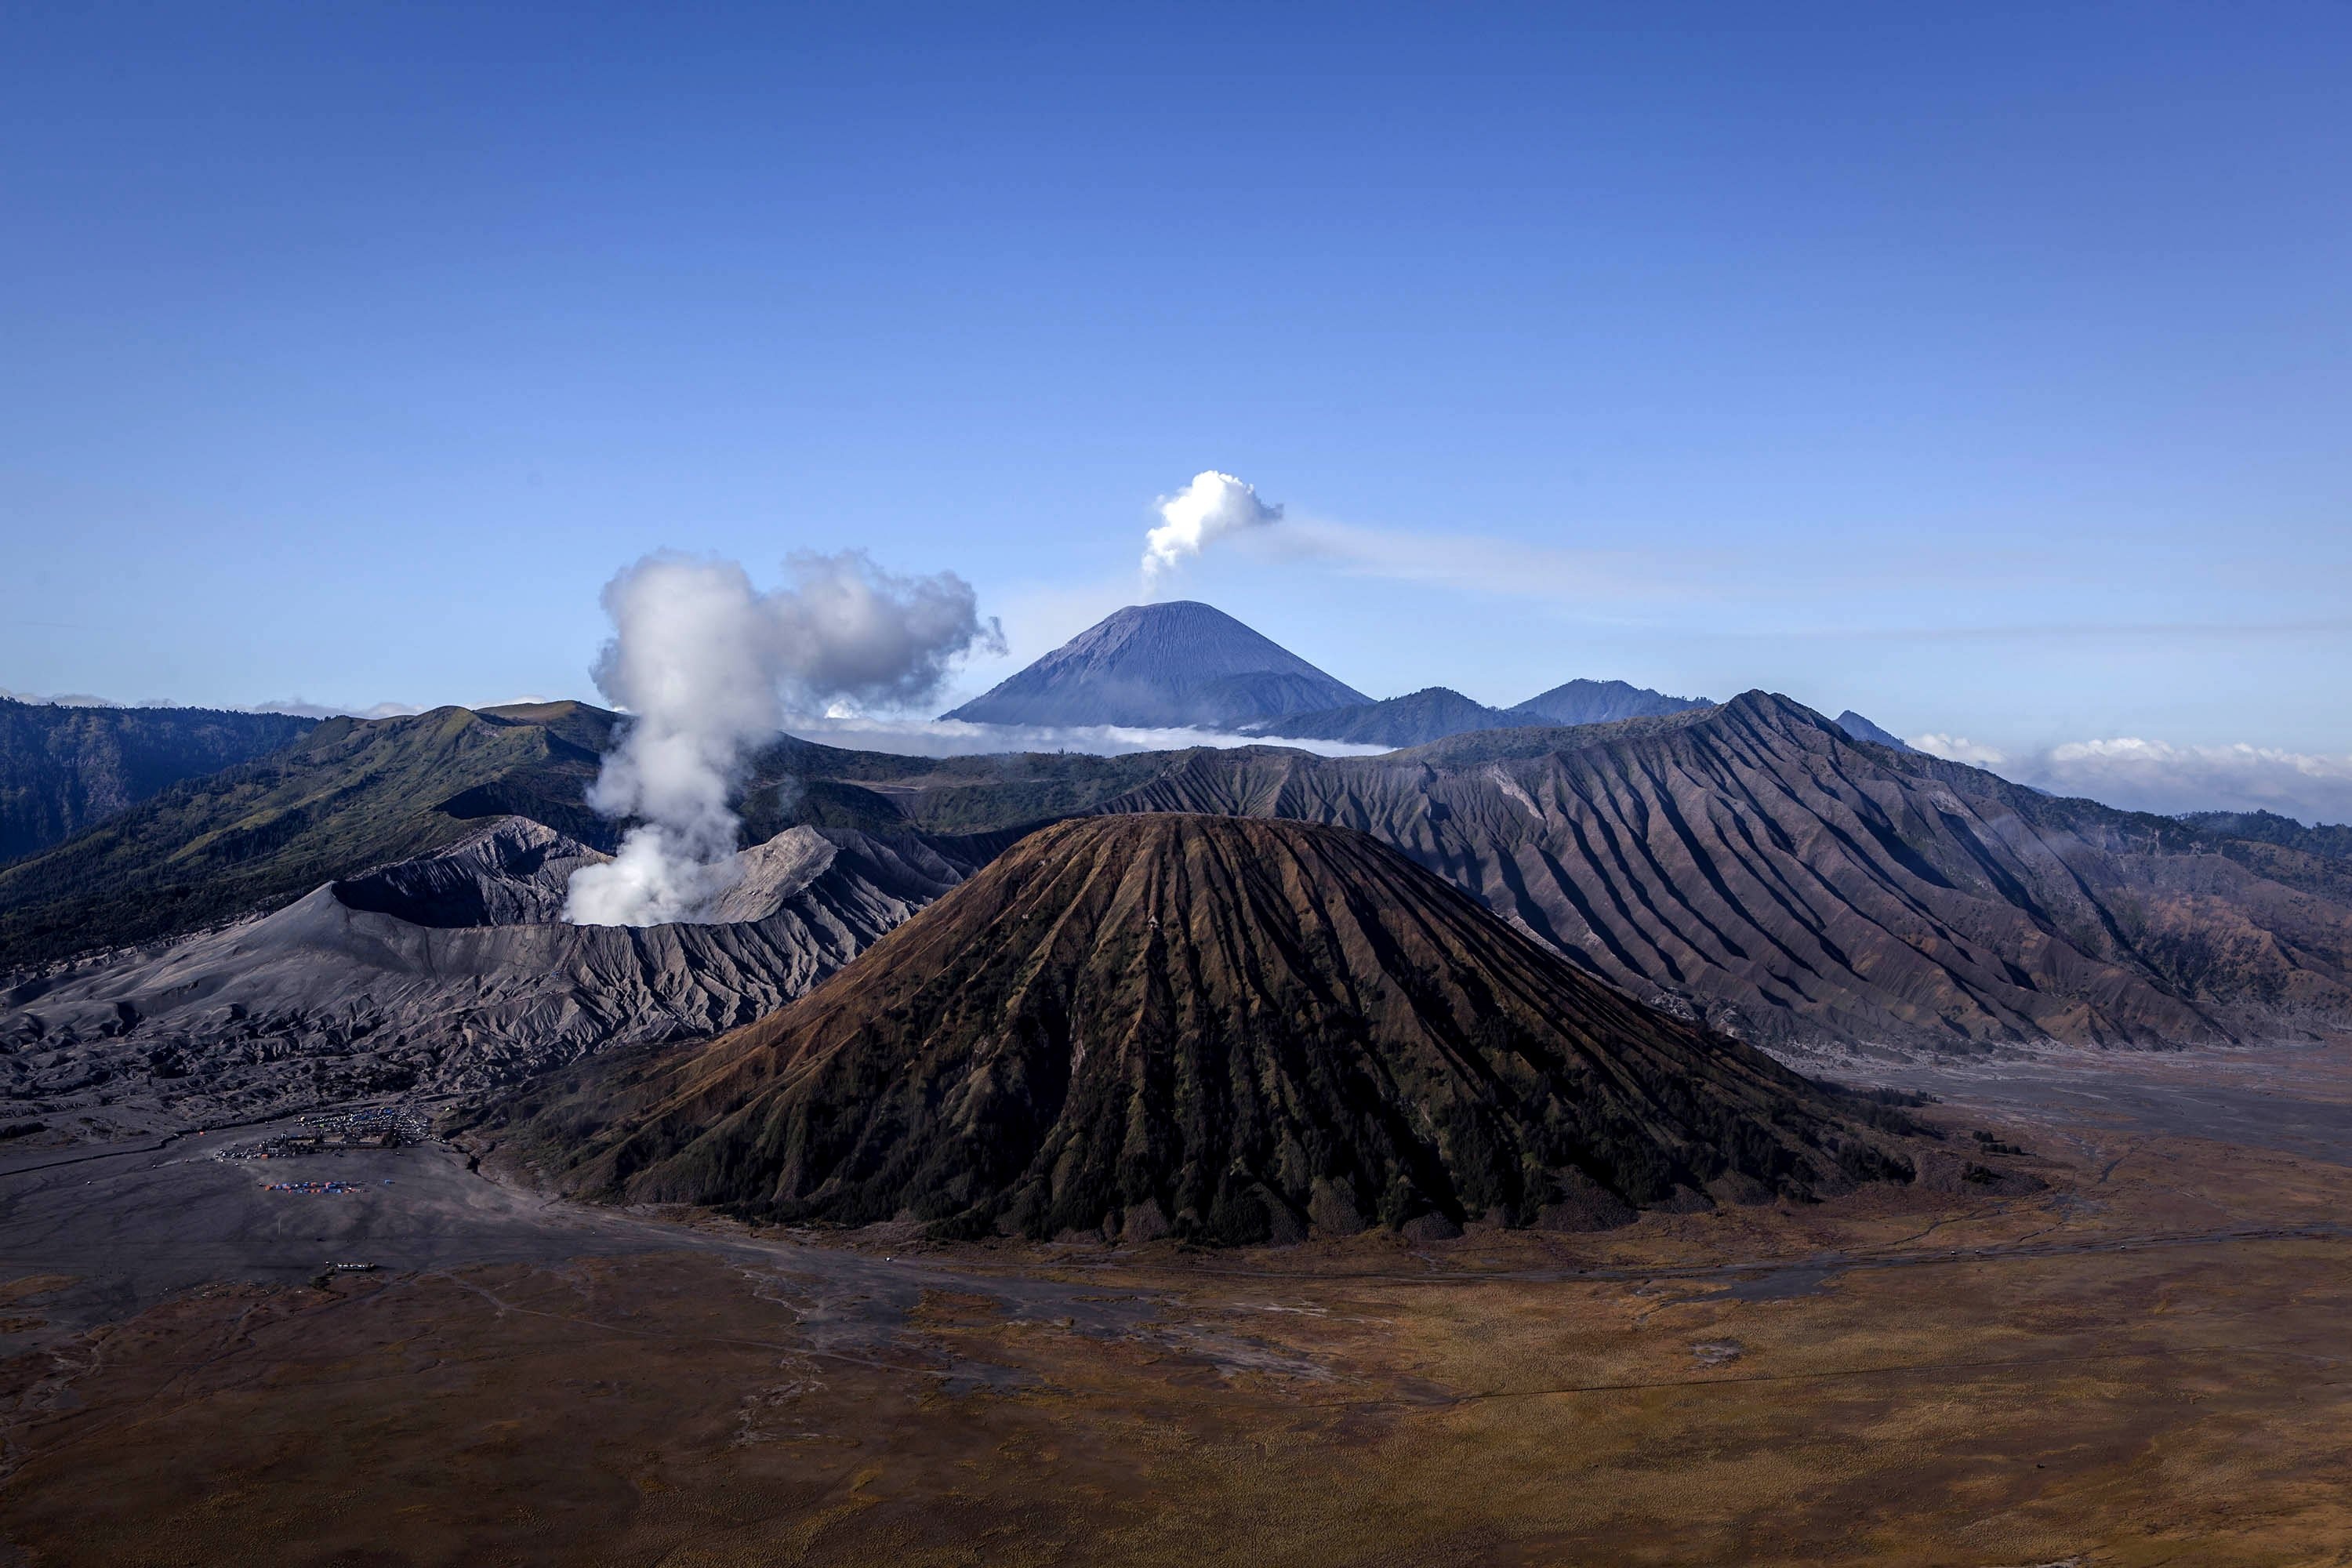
[[2142, 1364]]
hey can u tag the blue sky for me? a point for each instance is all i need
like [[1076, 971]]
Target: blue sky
[[1986, 370]]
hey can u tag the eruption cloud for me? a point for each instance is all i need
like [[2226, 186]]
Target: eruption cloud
[[708, 667], [1213, 506]]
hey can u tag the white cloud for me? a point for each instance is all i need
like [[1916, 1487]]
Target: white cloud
[[1213, 506], [1482, 564], [61, 700], [294, 706], [303, 707], [956, 738], [1958, 748], [2155, 776], [1218, 506], [1628, 578]]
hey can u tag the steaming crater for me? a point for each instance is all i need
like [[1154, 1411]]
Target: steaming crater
[[518, 872], [451, 971], [708, 667]]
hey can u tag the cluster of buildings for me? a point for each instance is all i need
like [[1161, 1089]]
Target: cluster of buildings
[[374, 1127]]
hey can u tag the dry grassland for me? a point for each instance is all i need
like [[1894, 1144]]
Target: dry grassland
[[2143, 1365]]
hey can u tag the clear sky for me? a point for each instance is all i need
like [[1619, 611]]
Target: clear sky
[[1988, 370]]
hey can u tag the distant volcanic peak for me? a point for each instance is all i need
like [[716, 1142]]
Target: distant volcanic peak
[[1225, 646], [1161, 666], [1584, 701], [1235, 1030], [1416, 719], [1861, 729]]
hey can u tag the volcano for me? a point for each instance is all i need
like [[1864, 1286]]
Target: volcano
[[450, 971], [1231, 1030], [1159, 667]]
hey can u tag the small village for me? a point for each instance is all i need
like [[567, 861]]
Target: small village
[[395, 1126]]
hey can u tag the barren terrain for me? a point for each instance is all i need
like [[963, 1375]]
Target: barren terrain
[[2143, 1364]]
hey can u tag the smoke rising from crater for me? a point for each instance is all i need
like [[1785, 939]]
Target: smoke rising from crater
[[1213, 506], [709, 667]]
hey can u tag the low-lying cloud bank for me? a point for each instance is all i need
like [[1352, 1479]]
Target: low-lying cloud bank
[[302, 708], [79, 699], [955, 738], [294, 706], [2156, 775]]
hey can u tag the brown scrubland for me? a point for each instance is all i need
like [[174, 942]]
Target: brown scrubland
[[2142, 1364]]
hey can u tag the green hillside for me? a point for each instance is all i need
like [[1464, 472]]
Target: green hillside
[[2331, 839], [64, 770], [351, 793]]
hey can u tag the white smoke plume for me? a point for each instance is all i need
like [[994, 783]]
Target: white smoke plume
[[709, 667], [1211, 507]]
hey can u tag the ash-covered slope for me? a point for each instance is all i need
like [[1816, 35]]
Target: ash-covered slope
[[1234, 1030], [1161, 666], [64, 769], [1752, 864], [452, 971]]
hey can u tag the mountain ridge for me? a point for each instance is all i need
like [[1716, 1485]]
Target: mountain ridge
[[1582, 702], [349, 794], [1753, 864], [1438, 712], [1861, 729], [64, 769], [1415, 719]]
